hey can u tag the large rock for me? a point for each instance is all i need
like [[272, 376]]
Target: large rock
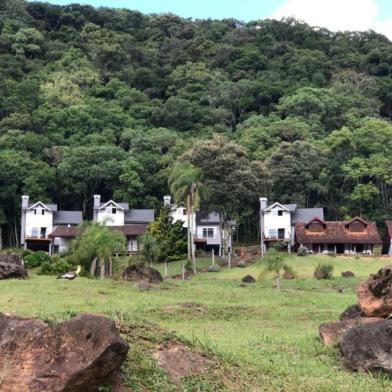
[[289, 275], [368, 347], [141, 272], [348, 274], [353, 311], [332, 333], [375, 294], [11, 258], [12, 270], [78, 355]]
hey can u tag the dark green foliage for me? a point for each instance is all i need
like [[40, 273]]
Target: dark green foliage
[[302, 251], [36, 259], [56, 266], [214, 268], [171, 237], [106, 101]]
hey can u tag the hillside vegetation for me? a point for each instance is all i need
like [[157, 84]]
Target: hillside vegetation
[[105, 101]]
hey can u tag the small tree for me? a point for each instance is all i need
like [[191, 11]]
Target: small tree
[[150, 249], [96, 246], [274, 262]]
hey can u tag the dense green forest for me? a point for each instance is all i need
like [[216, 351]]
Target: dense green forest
[[105, 101]]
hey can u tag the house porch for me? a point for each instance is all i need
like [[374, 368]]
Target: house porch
[[341, 249]]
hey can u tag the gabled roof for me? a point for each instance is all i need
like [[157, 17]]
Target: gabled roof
[[316, 219], [211, 219], [65, 232], [337, 232], [46, 206], [302, 215], [139, 216], [67, 218], [121, 206], [357, 218], [276, 204]]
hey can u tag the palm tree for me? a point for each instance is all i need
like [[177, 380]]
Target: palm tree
[[96, 246], [150, 250], [186, 187]]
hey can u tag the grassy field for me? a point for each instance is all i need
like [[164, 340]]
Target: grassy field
[[262, 339]]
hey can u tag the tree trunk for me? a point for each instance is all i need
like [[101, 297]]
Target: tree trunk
[[188, 216], [1, 238], [16, 233], [93, 266], [110, 266], [102, 268], [183, 270], [193, 241]]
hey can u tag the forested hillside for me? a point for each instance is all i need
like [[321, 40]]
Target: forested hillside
[[105, 101]]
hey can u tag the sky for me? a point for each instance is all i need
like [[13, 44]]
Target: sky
[[333, 14]]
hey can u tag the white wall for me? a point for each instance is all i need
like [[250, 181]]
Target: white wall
[[272, 221], [63, 244], [179, 215], [106, 217], [34, 222]]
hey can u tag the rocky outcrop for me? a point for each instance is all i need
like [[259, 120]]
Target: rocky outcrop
[[375, 294], [12, 270], [348, 274], [368, 347], [248, 279], [141, 272], [11, 258], [353, 311], [78, 355], [332, 333]]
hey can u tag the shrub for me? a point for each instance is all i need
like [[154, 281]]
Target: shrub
[[279, 246], [214, 268], [324, 271], [36, 259], [302, 251], [55, 266]]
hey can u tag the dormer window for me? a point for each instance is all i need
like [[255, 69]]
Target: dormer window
[[356, 226], [316, 227], [42, 212], [114, 210], [280, 213], [35, 212]]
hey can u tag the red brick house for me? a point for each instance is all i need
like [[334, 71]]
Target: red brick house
[[355, 236]]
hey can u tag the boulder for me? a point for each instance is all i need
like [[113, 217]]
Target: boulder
[[375, 294], [332, 333], [368, 347], [348, 274], [241, 264], [12, 270], [11, 258], [141, 272], [353, 311], [248, 279], [77, 355]]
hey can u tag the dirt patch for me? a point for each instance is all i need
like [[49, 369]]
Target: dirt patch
[[179, 361]]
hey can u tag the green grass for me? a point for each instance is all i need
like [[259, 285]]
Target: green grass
[[263, 339]]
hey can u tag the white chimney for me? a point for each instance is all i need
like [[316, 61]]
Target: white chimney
[[97, 201], [166, 200], [263, 203], [25, 202]]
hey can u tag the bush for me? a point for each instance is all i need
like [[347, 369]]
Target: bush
[[302, 251], [279, 246], [324, 271], [214, 268], [36, 259], [56, 266]]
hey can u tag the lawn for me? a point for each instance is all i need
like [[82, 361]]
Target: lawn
[[263, 339]]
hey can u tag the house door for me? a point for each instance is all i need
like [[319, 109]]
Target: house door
[[281, 234], [43, 232]]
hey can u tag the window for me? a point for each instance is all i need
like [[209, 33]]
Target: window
[[114, 210], [43, 232], [35, 212], [43, 212], [208, 232], [281, 234], [272, 233], [280, 213], [184, 211]]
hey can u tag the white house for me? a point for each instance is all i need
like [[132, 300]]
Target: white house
[[205, 228], [277, 221], [131, 222], [43, 227]]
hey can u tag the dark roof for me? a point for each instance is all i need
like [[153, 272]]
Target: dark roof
[[302, 215], [131, 230], [65, 232], [67, 218], [337, 232], [52, 207], [139, 216], [210, 219]]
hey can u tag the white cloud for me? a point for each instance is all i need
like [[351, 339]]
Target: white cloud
[[337, 15]]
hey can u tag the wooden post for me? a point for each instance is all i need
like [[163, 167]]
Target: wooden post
[[335, 249], [213, 256], [229, 258], [165, 269]]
